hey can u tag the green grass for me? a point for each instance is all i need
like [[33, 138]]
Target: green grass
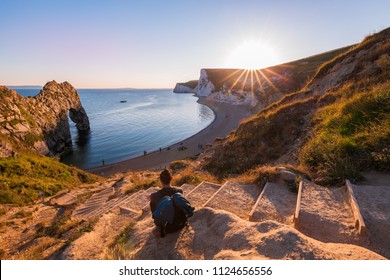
[[28, 177], [122, 245], [31, 138], [351, 135], [22, 214]]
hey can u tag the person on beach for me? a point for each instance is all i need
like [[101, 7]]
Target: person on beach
[[180, 216]]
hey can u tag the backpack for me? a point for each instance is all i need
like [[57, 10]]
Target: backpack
[[183, 204], [165, 211]]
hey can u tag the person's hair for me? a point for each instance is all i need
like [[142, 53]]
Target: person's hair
[[165, 177]]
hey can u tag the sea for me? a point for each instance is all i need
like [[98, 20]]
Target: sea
[[126, 122]]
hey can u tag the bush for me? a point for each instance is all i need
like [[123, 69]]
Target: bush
[[178, 165]]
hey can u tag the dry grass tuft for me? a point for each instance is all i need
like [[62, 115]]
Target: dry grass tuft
[[122, 245]]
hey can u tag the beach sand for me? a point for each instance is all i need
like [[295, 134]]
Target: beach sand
[[227, 118]]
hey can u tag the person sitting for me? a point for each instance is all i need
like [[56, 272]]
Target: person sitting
[[179, 215]]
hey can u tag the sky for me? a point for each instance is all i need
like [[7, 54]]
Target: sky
[[154, 44]]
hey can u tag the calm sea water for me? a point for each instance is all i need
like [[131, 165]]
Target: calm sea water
[[148, 120]]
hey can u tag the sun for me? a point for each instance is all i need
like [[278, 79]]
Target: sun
[[252, 55]]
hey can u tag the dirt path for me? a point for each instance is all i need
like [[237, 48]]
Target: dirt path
[[227, 118]]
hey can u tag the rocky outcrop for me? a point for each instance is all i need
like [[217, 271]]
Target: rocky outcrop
[[41, 122], [205, 86], [179, 88], [188, 87]]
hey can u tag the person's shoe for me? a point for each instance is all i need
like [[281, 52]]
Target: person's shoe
[[156, 232]]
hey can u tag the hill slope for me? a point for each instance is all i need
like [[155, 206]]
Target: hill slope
[[342, 114]]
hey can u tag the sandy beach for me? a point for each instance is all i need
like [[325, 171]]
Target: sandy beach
[[227, 118]]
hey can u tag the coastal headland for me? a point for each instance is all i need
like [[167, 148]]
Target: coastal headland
[[227, 118]]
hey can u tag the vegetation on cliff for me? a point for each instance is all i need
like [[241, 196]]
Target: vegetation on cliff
[[28, 177], [350, 135]]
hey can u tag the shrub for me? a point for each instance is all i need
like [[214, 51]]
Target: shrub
[[178, 165]]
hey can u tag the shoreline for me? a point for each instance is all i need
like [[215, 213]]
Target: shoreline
[[227, 117]]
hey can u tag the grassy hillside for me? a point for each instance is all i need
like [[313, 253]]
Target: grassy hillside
[[28, 176], [350, 135]]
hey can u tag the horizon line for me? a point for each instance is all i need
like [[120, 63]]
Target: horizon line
[[134, 88]]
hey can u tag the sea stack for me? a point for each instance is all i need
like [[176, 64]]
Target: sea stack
[[41, 122]]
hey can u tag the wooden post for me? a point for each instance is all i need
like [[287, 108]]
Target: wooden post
[[257, 202], [359, 222], [298, 206], [204, 205]]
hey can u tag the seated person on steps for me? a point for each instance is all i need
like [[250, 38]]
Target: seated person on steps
[[170, 209]]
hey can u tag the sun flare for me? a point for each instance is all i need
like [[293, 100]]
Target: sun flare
[[252, 55]]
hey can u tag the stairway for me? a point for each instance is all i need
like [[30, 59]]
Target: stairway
[[321, 213], [202, 193], [187, 188], [276, 202], [94, 203], [325, 214], [234, 197], [372, 202]]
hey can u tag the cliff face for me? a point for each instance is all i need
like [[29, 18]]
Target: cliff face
[[258, 88], [40, 122], [180, 88], [187, 87]]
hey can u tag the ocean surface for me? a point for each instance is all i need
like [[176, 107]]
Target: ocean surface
[[148, 120]]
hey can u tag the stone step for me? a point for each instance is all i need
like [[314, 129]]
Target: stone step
[[187, 188], [372, 199], [96, 201], [276, 202], [326, 215], [151, 190], [93, 207], [65, 200], [235, 197], [84, 211], [140, 199], [110, 205], [202, 193]]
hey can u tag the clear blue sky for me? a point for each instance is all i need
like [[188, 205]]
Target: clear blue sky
[[152, 44]]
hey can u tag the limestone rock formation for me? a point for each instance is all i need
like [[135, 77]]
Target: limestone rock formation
[[180, 88], [40, 122], [188, 87]]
